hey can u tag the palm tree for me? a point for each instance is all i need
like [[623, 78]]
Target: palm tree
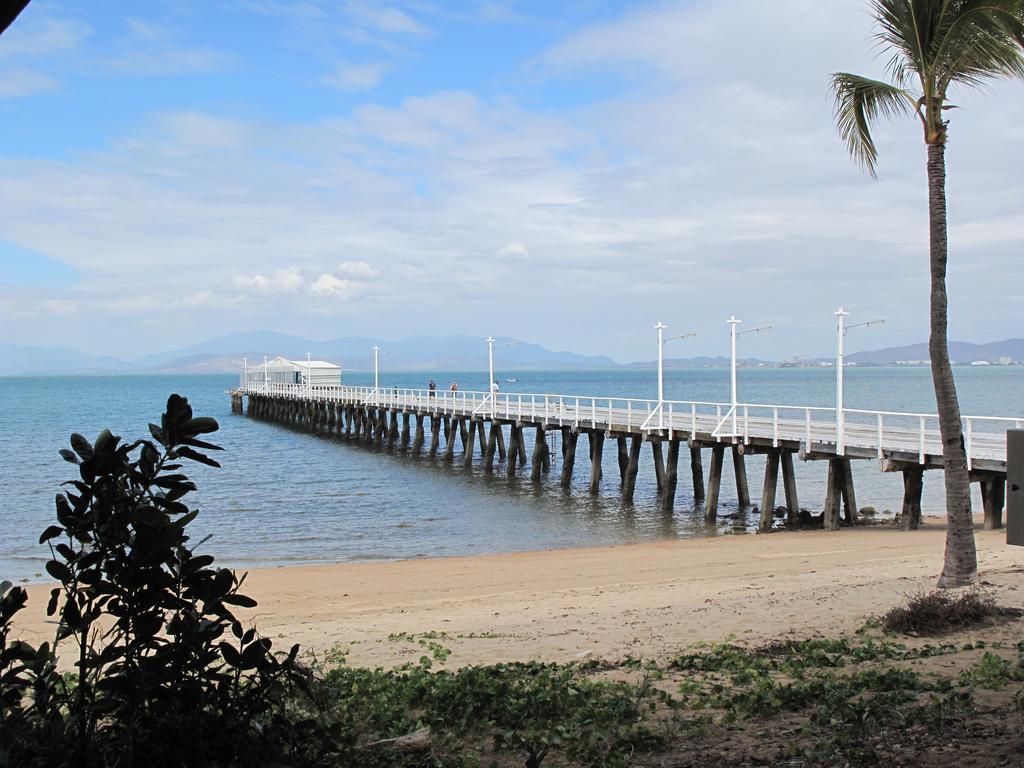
[[9, 12], [935, 45]]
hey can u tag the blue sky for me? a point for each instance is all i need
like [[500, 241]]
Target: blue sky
[[569, 173]]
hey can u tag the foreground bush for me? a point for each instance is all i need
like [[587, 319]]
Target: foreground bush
[[942, 611], [164, 673]]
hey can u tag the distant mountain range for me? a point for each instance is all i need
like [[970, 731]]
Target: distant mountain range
[[224, 354], [417, 353], [959, 351]]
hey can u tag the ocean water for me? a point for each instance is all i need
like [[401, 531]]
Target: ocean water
[[284, 497]]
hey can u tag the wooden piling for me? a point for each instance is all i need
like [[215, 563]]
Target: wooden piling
[[596, 455], [570, 436], [453, 433], [993, 496], [464, 435], [406, 417], [659, 464], [520, 443], [633, 466], [714, 482], [833, 492], [849, 497], [469, 444], [480, 434], [435, 434], [771, 484], [668, 495], [740, 470], [492, 444], [502, 453], [393, 429], [540, 445], [513, 453], [697, 472], [419, 438], [623, 454], [789, 486]]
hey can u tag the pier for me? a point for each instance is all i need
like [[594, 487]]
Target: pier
[[492, 429]]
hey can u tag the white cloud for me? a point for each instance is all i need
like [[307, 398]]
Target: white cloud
[[359, 269], [283, 281], [332, 286], [357, 77], [37, 39], [385, 18], [16, 82]]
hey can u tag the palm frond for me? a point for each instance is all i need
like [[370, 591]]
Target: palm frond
[[859, 101], [979, 40]]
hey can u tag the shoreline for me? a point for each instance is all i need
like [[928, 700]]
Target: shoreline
[[642, 600]]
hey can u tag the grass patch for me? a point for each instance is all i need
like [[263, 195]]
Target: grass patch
[[943, 611]]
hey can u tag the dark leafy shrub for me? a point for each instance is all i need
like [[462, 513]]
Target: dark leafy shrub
[[165, 674]]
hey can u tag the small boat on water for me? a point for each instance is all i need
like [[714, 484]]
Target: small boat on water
[[511, 381]]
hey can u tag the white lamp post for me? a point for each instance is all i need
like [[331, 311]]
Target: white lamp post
[[245, 374], [661, 328], [309, 376], [490, 368], [376, 370], [733, 322], [265, 375], [841, 329]]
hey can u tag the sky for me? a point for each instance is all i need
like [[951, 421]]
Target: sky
[[569, 173]]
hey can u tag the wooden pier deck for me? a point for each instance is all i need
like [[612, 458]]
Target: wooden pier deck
[[494, 426]]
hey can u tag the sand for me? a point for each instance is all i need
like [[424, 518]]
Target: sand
[[646, 600]]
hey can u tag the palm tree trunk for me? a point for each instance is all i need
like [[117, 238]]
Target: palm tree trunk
[[961, 560]]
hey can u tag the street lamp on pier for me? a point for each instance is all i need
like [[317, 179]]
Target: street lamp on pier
[[733, 322], [661, 328], [841, 329]]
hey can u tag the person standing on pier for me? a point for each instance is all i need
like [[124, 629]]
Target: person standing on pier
[[494, 387], [432, 387], [455, 386]]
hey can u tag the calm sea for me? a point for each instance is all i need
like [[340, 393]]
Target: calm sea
[[284, 497]]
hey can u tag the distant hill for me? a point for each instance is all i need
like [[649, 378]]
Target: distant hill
[[224, 354], [959, 351], [698, 362]]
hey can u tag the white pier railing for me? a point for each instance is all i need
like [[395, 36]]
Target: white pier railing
[[883, 432]]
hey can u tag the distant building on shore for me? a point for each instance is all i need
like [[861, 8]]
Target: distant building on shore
[[280, 370]]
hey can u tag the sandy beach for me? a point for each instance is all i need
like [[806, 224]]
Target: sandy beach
[[645, 600]]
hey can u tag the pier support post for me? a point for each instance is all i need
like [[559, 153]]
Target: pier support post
[[833, 491], [659, 464], [492, 444], [540, 447], [393, 429], [771, 484], [435, 434], [739, 466], [570, 436], [596, 456], [449, 448], [464, 435], [520, 443], [993, 496], [419, 438], [668, 496], [502, 453], [629, 484], [406, 416], [849, 497], [789, 486], [913, 485], [481, 437], [697, 472], [714, 482], [623, 454], [468, 445], [513, 452]]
